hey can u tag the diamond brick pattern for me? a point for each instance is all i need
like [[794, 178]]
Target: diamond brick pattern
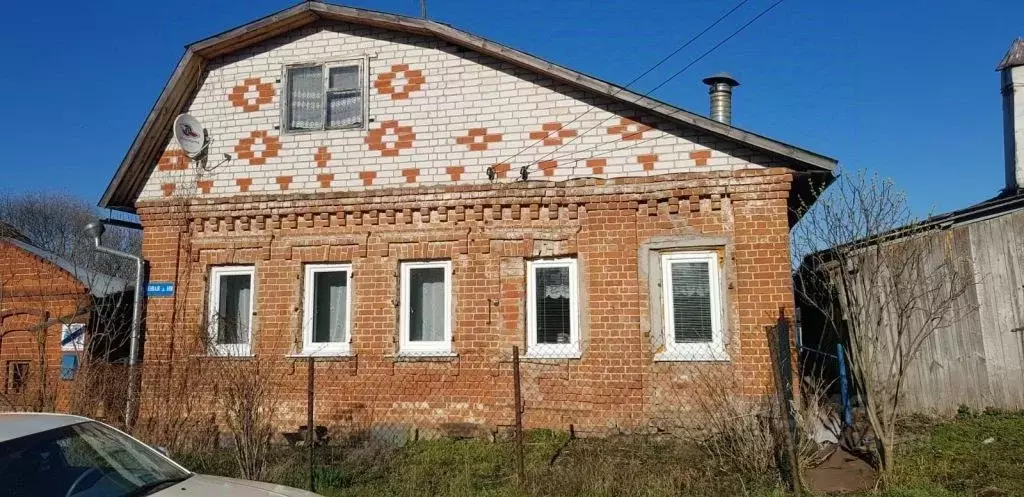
[[172, 160], [258, 147], [399, 82], [478, 139], [321, 156], [553, 133], [390, 138], [629, 129], [251, 94]]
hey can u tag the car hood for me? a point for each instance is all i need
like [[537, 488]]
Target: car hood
[[218, 486]]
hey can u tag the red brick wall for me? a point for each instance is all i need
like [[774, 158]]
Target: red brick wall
[[487, 233], [32, 291]]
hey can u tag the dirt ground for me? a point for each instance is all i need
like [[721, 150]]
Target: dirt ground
[[842, 472]]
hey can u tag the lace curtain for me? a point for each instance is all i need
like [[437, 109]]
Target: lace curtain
[[305, 97], [552, 302], [344, 98]]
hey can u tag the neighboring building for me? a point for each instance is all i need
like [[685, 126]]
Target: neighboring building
[[979, 362], [374, 213], [52, 312]]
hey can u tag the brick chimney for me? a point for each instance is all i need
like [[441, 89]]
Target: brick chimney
[[1011, 78]]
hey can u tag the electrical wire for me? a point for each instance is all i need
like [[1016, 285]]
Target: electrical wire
[[634, 80], [663, 83]]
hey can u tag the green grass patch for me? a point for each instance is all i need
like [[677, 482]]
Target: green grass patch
[[953, 459], [949, 459]]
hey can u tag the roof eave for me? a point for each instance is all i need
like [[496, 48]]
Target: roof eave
[[114, 196], [121, 196]]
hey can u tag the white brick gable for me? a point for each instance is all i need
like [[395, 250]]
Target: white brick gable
[[465, 113]]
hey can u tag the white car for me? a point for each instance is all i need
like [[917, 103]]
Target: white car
[[59, 455]]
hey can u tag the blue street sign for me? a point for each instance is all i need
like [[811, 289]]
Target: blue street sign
[[160, 289]]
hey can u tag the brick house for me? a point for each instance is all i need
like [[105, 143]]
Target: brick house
[[50, 309], [406, 202]]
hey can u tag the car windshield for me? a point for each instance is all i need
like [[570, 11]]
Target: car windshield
[[83, 460]]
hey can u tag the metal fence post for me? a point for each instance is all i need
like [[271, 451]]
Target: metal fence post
[[310, 373], [779, 345], [844, 385], [520, 469]]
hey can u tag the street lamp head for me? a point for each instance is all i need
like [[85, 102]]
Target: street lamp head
[[95, 229]]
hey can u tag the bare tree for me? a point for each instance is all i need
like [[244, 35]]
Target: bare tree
[[54, 221], [884, 282]]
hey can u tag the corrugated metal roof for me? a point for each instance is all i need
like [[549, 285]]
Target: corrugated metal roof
[[1000, 205], [99, 284], [1014, 56]]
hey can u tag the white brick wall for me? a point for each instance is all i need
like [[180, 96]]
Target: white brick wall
[[462, 91]]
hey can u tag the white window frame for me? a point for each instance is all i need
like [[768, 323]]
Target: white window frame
[[569, 350], [234, 349], [309, 347], [364, 86], [407, 347], [706, 351]]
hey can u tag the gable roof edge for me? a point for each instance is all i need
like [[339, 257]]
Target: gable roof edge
[[184, 81], [96, 283]]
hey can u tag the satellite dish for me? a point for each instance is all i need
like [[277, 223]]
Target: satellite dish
[[190, 134]]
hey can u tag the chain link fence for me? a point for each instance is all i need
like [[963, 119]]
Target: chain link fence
[[547, 422]]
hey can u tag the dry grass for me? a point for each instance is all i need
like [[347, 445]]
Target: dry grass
[[555, 466]]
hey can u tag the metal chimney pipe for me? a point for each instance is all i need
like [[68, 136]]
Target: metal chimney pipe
[[720, 88]]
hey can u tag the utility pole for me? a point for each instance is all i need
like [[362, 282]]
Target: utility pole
[[423, 9]]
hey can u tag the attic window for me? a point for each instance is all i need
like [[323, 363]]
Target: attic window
[[325, 96]]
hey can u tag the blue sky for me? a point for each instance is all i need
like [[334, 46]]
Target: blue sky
[[904, 88]]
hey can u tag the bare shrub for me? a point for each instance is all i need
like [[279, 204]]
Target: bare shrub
[[246, 397], [177, 413], [739, 432], [743, 434], [884, 282]]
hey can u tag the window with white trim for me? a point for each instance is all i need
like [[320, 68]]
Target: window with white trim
[[426, 297], [327, 309], [552, 308], [231, 310], [693, 307], [324, 96]]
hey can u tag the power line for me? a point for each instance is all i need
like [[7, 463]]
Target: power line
[[663, 83], [634, 80]]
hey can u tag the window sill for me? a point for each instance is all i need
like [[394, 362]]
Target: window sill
[[424, 356], [552, 356], [683, 356], [226, 356], [322, 354], [300, 132]]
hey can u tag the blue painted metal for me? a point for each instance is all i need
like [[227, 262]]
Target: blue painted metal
[[160, 289], [844, 385], [68, 366]]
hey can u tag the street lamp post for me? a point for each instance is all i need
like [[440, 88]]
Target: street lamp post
[[95, 230]]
